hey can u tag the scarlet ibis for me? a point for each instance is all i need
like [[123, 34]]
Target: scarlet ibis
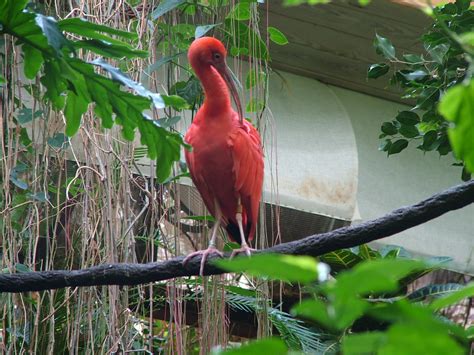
[[226, 161]]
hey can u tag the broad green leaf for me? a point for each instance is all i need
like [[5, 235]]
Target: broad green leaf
[[276, 36], [240, 12], [457, 105], [467, 38], [363, 343], [341, 259], [190, 90], [202, 30], [125, 80], [55, 37], [54, 83], [275, 266], [92, 30], [417, 339], [397, 146], [110, 50], [165, 6], [408, 118], [385, 145], [59, 141], [413, 58], [33, 60], [76, 106], [377, 70], [453, 298], [17, 181], [384, 47], [175, 101], [375, 276], [434, 290], [272, 346]]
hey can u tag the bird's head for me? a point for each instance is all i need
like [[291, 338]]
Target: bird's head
[[209, 51]]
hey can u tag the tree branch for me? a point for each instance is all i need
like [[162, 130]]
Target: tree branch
[[133, 274]]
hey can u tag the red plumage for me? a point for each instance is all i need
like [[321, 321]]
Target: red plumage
[[226, 161]]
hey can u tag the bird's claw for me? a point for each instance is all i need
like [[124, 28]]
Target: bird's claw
[[204, 254], [245, 249]]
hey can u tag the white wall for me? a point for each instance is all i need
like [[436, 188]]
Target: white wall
[[388, 183]]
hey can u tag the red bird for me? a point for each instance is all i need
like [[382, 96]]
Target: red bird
[[226, 162]]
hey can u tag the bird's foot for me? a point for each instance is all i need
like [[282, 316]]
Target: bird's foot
[[244, 249], [204, 254]]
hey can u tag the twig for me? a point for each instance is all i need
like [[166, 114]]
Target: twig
[[133, 274]]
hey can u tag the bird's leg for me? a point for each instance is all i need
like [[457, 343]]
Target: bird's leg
[[211, 249], [244, 248]]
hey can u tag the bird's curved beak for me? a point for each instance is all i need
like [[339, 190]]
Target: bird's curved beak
[[231, 82]]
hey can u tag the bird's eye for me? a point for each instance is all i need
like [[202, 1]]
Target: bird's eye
[[217, 56]]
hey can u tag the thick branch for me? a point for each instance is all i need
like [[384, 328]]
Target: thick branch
[[134, 274]]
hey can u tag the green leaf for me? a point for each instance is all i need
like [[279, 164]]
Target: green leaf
[[408, 118], [54, 83], [240, 12], [110, 50], [40, 196], [377, 70], [166, 6], [55, 37], [123, 79], [2, 80], [408, 131], [341, 259], [397, 146], [59, 141], [167, 122], [413, 58], [202, 30], [263, 346], [247, 38], [417, 339], [92, 30], [385, 145], [276, 36], [453, 298], [375, 276], [26, 115], [429, 138], [279, 267], [384, 47], [363, 343], [175, 101], [17, 181], [389, 128], [76, 106], [438, 53], [33, 60], [457, 105], [434, 290]]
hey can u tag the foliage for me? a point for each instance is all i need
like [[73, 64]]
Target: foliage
[[366, 306], [72, 84], [440, 84]]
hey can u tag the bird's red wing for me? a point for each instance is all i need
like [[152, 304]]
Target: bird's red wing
[[248, 170]]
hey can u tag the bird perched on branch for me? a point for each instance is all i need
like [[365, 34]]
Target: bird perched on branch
[[226, 161]]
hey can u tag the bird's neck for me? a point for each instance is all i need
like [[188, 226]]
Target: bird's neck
[[216, 93]]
